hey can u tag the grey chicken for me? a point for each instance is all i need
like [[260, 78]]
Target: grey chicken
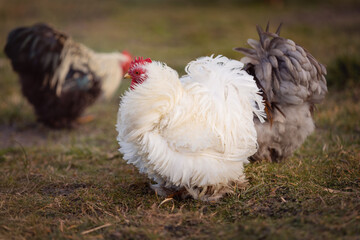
[[292, 82], [59, 76]]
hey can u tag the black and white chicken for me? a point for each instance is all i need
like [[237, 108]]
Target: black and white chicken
[[59, 76]]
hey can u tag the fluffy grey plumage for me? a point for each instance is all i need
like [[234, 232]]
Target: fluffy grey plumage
[[293, 81]]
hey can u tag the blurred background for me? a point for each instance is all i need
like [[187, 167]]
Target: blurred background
[[177, 32]]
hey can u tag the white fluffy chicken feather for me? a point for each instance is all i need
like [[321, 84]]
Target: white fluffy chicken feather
[[191, 132]]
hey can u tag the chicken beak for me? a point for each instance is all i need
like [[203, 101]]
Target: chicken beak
[[127, 76]]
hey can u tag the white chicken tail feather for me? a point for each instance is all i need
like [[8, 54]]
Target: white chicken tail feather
[[223, 66]]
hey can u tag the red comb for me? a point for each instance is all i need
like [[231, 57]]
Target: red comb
[[140, 60]]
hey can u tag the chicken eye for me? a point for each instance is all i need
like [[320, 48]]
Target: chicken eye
[[137, 72]]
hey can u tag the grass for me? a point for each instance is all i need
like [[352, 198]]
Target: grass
[[344, 72], [73, 184]]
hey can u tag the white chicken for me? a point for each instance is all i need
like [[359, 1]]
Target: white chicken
[[190, 135]]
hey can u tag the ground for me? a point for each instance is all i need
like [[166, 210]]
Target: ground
[[73, 184]]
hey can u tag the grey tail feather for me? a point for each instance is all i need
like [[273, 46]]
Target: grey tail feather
[[246, 51], [278, 29], [238, 49], [267, 26], [261, 35]]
